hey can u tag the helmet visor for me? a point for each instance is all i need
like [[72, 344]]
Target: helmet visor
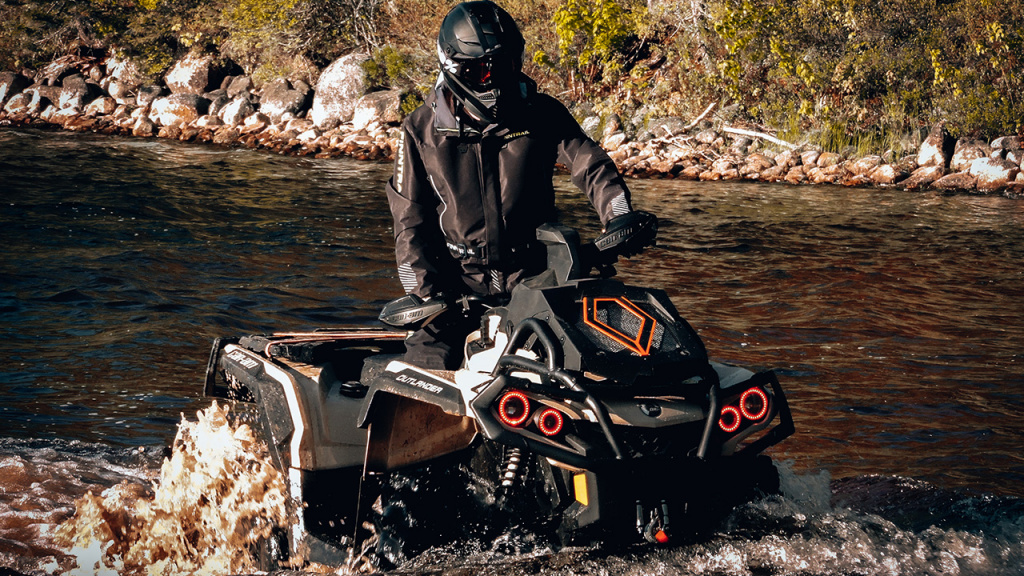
[[485, 73]]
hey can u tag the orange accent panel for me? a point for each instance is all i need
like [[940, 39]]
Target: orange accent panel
[[640, 342]]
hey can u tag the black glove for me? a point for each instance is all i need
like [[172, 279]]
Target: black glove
[[627, 235]]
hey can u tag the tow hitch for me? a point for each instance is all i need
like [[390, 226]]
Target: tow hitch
[[654, 527]]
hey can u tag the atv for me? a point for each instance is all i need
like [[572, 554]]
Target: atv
[[585, 410]]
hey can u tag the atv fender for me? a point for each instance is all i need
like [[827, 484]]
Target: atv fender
[[413, 416]]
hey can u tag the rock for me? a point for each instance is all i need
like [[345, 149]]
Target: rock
[[937, 148], [810, 157], [193, 74], [239, 87], [226, 136], [968, 151], [209, 121], [102, 106], [256, 122], [613, 141], [77, 92], [143, 127], [590, 126], [125, 71], [666, 127], [827, 159], [992, 174], [384, 107], [176, 109], [120, 91], [708, 136], [612, 125], [1007, 143], [12, 83], [218, 99], [235, 112], [887, 174], [1014, 156], [758, 163], [957, 181], [864, 166], [341, 84], [923, 176], [29, 102], [54, 72], [280, 98], [773, 174], [795, 175], [147, 94]]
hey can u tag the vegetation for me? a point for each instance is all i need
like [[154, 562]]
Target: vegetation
[[840, 72]]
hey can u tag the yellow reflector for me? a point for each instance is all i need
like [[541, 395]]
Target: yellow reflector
[[579, 484]]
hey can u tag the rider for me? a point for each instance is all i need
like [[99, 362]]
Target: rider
[[473, 176]]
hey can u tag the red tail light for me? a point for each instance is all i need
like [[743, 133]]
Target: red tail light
[[730, 420], [754, 404], [550, 422], [514, 408]]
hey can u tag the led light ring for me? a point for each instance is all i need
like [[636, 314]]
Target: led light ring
[[737, 419], [764, 404], [550, 430], [516, 422]]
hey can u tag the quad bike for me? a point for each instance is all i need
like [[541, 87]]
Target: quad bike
[[585, 410]]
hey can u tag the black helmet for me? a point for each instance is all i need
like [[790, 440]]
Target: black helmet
[[481, 53]]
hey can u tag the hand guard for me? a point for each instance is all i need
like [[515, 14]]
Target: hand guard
[[629, 234]]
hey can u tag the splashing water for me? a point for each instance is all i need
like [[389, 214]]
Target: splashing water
[[216, 496]]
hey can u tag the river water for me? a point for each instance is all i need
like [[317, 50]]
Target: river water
[[894, 321]]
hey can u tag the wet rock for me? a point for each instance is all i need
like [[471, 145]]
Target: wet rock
[[937, 148], [209, 121], [148, 94], [786, 160], [923, 176], [810, 157], [102, 106], [758, 163], [341, 84], [795, 175], [956, 181], [280, 98], [827, 159], [968, 151], [218, 99], [384, 106], [226, 136], [256, 122], [181, 108], [864, 166], [29, 102], [993, 174], [774, 174], [887, 174], [235, 112], [144, 127], [12, 83]]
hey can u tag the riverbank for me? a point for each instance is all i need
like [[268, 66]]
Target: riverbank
[[341, 116]]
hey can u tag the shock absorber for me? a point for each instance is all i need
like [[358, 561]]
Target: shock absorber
[[513, 459]]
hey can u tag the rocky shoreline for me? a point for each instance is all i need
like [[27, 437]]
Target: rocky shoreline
[[200, 101]]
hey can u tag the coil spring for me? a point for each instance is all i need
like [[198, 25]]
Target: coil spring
[[513, 459]]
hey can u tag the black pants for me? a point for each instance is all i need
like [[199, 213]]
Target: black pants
[[440, 345]]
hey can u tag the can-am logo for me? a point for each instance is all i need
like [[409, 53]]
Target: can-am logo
[[241, 358]]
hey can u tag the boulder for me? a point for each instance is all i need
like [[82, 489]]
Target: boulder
[[148, 94], [218, 99], [239, 87], [341, 84], [77, 92], [957, 181], [195, 74], [12, 83], [887, 174], [591, 125], [102, 106], [993, 174], [923, 176], [54, 72], [936, 148], [120, 91], [29, 102], [124, 70], [235, 112], [864, 166], [968, 151], [383, 107], [666, 127], [280, 98], [810, 157], [708, 136], [143, 127], [613, 141], [1007, 143], [177, 109], [827, 159]]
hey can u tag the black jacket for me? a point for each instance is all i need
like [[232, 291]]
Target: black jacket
[[466, 203]]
